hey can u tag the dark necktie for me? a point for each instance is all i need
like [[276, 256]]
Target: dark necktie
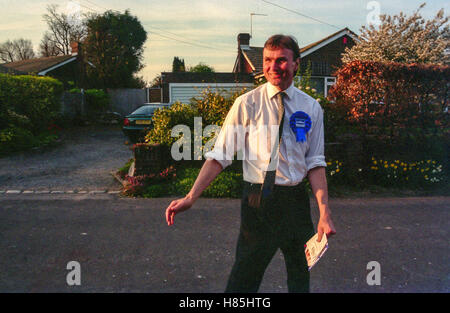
[[269, 179]]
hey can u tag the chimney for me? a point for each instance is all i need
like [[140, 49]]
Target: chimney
[[243, 41], [74, 47]]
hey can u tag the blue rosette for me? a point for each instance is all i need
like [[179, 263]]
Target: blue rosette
[[300, 123]]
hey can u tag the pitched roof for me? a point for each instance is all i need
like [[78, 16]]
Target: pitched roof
[[254, 55], [6, 70], [304, 51], [40, 65]]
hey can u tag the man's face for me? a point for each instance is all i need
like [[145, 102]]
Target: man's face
[[279, 67]]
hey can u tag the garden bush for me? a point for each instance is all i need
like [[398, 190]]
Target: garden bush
[[28, 107], [211, 106], [165, 119], [36, 98], [228, 184], [396, 110], [15, 139], [97, 101]]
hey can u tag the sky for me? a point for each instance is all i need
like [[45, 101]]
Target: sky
[[206, 30]]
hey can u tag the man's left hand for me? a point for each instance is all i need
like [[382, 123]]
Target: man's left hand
[[325, 226]]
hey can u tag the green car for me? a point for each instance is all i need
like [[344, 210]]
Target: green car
[[136, 124]]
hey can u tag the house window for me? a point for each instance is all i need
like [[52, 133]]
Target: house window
[[320, 68], [329, 81], [317, 83], [321, 84]]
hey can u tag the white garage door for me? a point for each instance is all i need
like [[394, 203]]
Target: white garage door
[[183, 92]]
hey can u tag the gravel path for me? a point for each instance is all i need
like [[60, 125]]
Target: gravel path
[[84, 160]]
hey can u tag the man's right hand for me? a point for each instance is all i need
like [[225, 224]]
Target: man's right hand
[[177, 206]]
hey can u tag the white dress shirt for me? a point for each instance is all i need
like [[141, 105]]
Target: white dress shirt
[[251, 128]]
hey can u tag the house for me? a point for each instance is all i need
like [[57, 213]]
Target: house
[[182, 86], [324, 57], [64, 67], [5, 70]]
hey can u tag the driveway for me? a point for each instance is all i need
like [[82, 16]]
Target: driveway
[[83, 161]]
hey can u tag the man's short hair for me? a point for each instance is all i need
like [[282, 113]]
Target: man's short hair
[[283, 41]]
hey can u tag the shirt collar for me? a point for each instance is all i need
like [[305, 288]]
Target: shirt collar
[[272, 90]]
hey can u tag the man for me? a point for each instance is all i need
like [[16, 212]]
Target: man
[[281, 217]]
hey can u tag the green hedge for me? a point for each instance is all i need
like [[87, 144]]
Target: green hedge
[[35, 98], [228, 184], [97, 101]]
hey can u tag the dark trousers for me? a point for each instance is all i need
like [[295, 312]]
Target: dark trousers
[[282, 221]]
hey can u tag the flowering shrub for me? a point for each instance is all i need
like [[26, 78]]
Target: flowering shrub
[[213, 106], [334, 168], [334, 118], [387, 173], [137, 184], [389, 99], [396, 110], [397, 172], [165, 119]]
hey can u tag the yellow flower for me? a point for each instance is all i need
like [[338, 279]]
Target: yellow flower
[[386, 166], [375, 162], [337, 170]]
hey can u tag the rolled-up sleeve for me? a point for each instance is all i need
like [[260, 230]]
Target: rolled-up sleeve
[[315, 155], [229, 141]]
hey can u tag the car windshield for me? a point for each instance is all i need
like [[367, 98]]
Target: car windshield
[[145, 110]]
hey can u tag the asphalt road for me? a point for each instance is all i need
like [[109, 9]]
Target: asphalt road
[[124, 245]]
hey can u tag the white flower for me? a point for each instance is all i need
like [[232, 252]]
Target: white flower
[[313, 90]]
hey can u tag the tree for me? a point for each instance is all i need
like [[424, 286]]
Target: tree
[[48, 48], [202, 68], [178, 65], [403, 39], [63, 29], [16, 50], [156, 82], [114, 47]]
